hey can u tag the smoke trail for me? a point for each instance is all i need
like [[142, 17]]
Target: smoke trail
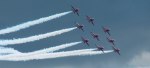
[[47, 49], [51, 49], [4, 50], [34, 38], [25, 55], [56, 48], [55, 55], [63, 54], [32, 23], [31, 55]]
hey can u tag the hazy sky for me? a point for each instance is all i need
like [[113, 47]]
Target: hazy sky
[[128, 20]]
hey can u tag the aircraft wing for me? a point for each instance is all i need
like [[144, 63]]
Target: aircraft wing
[[92, 23], [77, 13], [82, 29], [119, 53], [72, 7], [97, 38], [113, 43], [108, 33], [87, 43]]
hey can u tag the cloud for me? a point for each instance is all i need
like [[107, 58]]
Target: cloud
[[91, 64], [141, 61]]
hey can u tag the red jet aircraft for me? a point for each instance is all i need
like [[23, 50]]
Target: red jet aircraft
[[117, 50], [80, 26], [111, 40], [86, 41], [75, 10], [90, 20], [106, 30], [100, 48], [95, 36]]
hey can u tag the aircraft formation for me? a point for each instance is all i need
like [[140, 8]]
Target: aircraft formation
[[11, 54], [106, 30]]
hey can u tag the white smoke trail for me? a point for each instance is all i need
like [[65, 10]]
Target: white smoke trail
[[51, 49], [25, 55], [34, 38], [6, 50], [32, 23], [31, 55], [56, 48], [63, 54], [55, 55]]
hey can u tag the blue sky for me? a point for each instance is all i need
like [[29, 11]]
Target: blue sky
[[128, 19]]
